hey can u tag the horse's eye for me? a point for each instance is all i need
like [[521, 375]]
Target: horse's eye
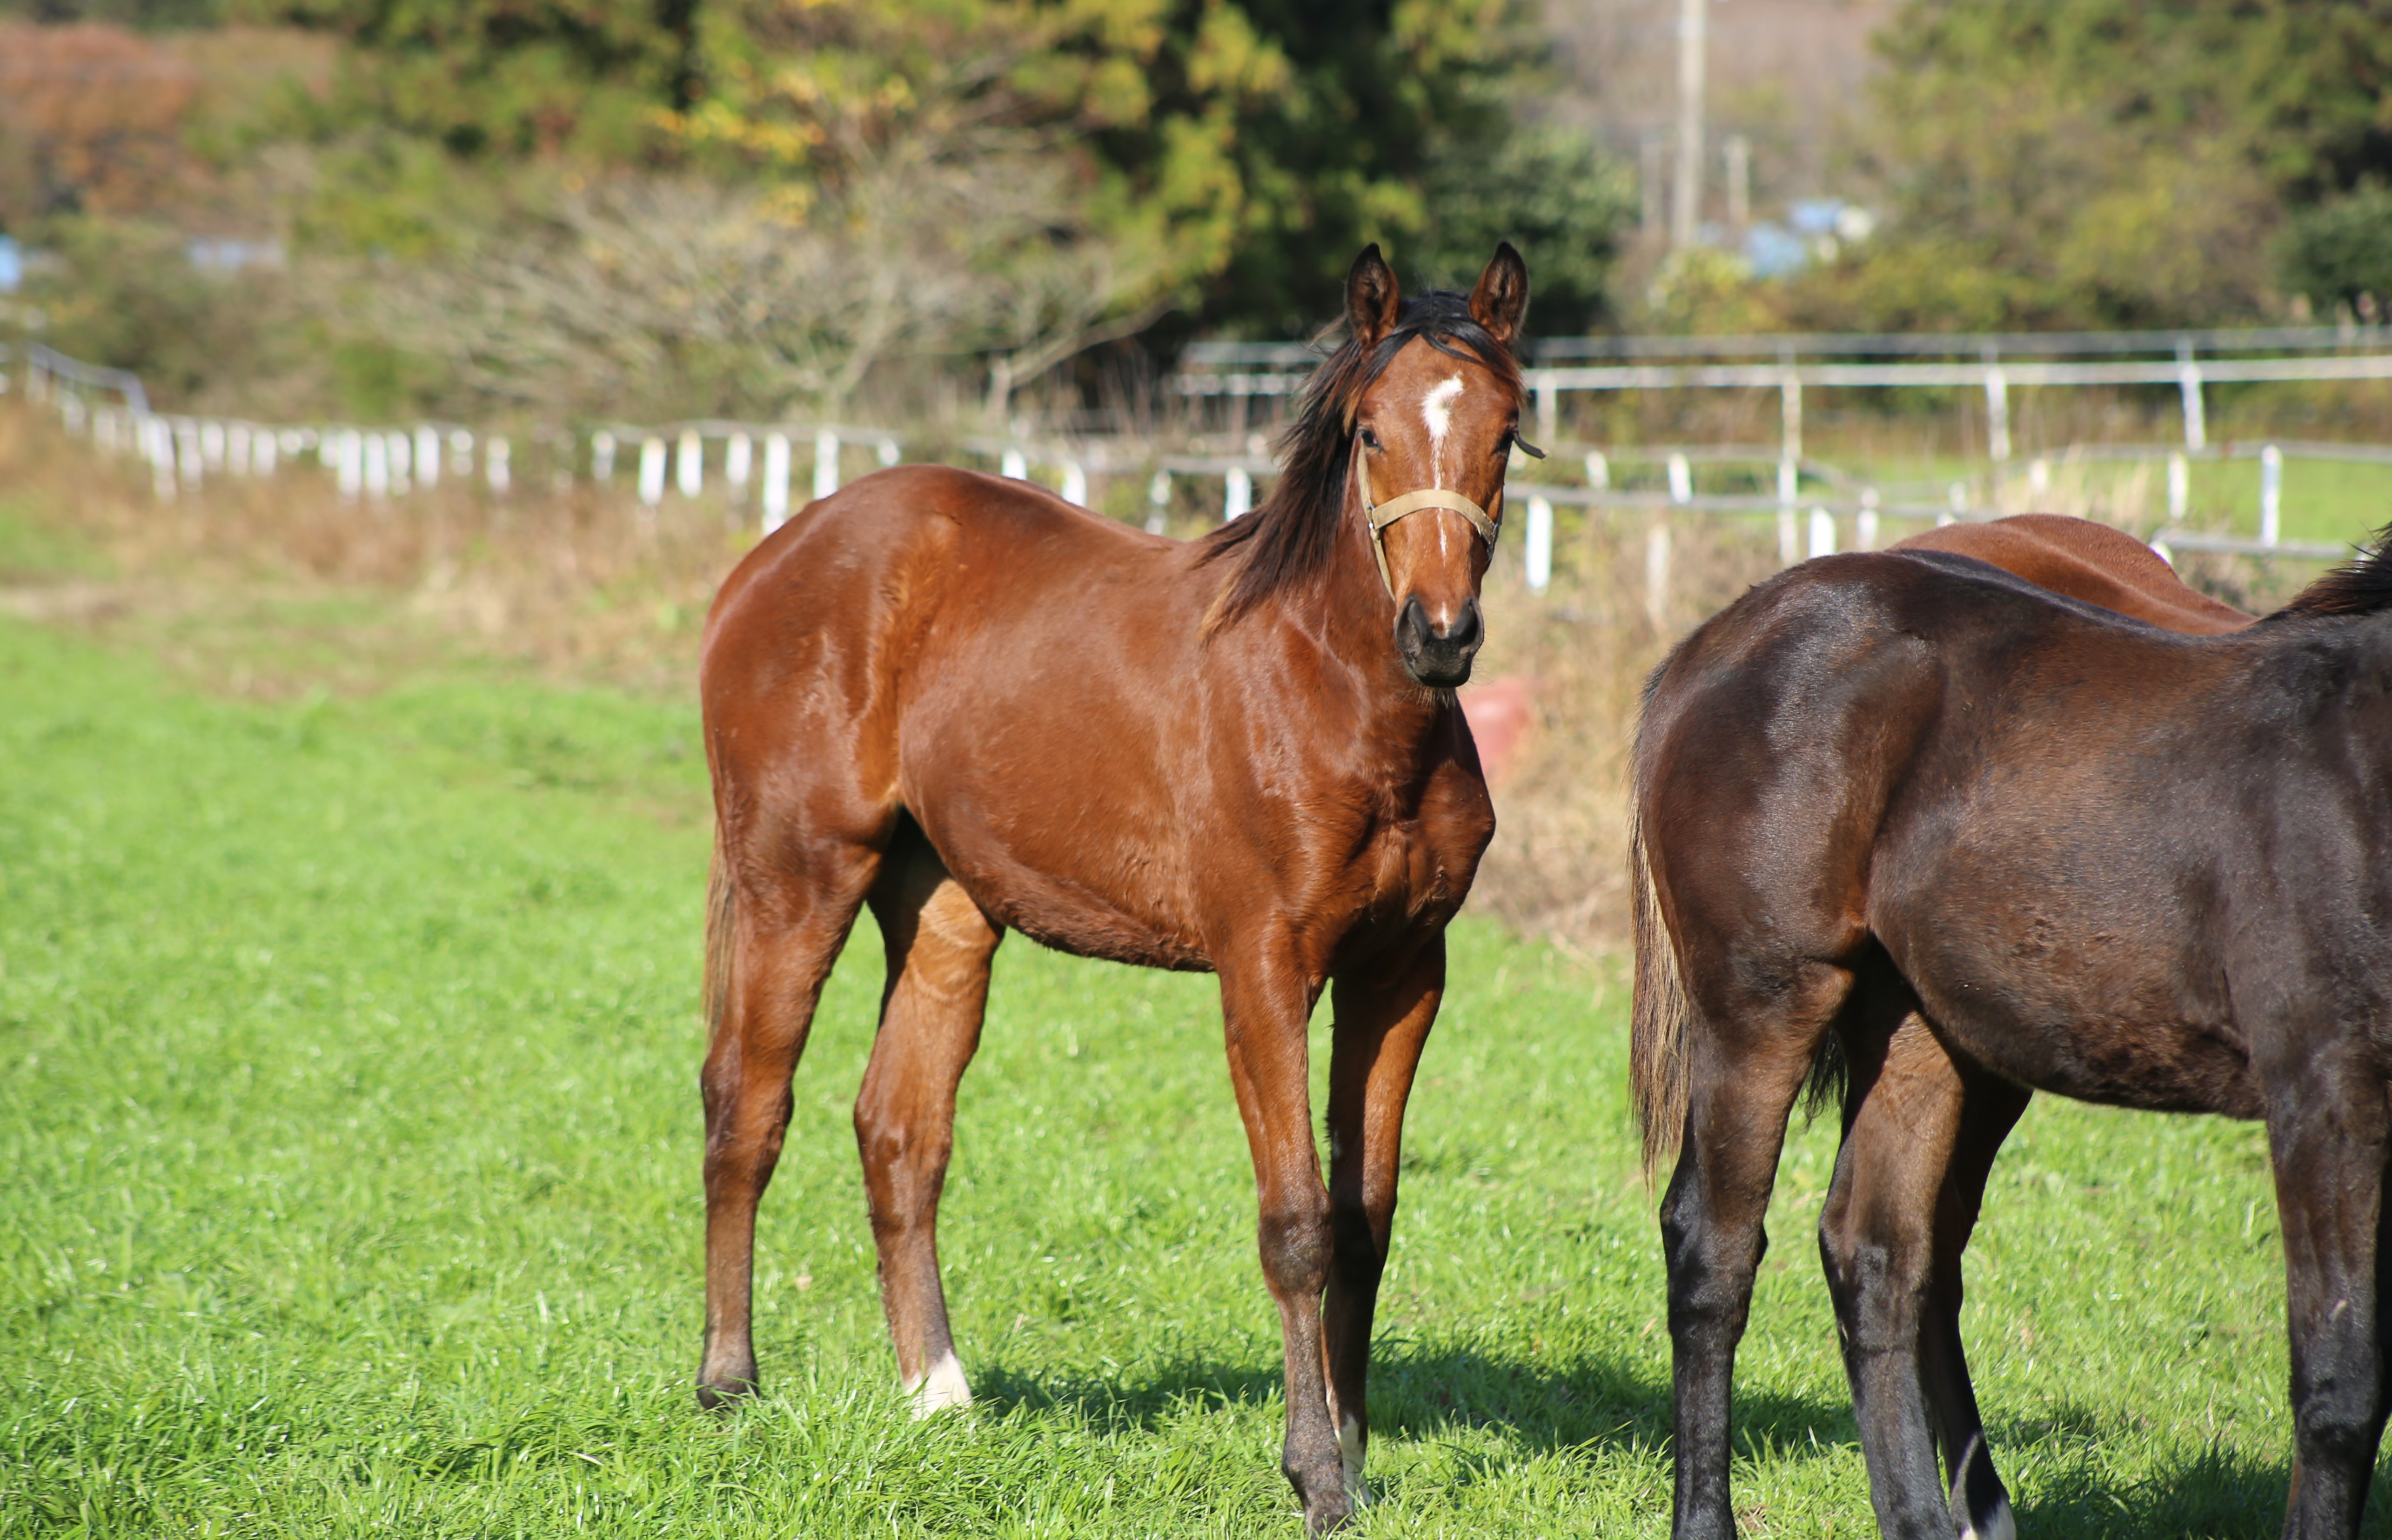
[[1369, 439]]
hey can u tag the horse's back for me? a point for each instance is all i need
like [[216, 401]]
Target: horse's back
[[2088, 561], [1995, 784]]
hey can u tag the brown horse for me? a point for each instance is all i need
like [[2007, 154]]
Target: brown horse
[[1985, 841], [974, 707]]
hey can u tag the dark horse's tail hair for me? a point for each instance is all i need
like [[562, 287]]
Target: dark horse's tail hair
[[1660, 1018], [722, 937]]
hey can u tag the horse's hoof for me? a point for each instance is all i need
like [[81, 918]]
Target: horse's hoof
[[725, 1396], [1322, 1517]]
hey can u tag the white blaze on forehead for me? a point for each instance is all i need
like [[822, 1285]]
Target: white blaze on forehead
[[1437, 410]]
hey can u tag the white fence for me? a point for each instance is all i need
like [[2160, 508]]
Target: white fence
[[762, 459]]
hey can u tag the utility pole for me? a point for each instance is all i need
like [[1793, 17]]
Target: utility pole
[[1685, 206]]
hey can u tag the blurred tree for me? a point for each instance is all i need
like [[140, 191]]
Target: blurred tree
[[140, 14], [499, 77], [90, 120], [2340, 253], [2106, 161]]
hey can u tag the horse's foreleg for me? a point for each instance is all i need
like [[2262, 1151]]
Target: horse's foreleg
[[784, 940], [939, 946], [1745, 1075], [1383, 1020], [1877, 1242], [2329, 1141], [1267, 1002]]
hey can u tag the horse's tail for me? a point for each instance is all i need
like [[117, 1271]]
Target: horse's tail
[[722, 937], [1660, 1018]]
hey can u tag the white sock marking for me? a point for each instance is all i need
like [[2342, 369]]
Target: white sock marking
[[1349, 1449], [943, 1387]]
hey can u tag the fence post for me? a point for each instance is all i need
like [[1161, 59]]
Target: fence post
[[1790, 414], [1598, 471], [1075, 484], [826, 463], [2038, 477], [1681, 479], [495, 467], [1789, 531], [1237, 494], [2180, 486], [212, 444], [461, 450], [401, 461], [885, 452], [1822, 533], [158, 448], [689, 463], [1997, 414], [776, 481], [1157, 502], [1013, 465], [652, 470], [738, 459], [237, 449], [427, 458], [1540, 553], [2187, 380], [188, 470], [1549, 407], [1864, 526], [2271, 495], [1657, 573], [376, 452], [265, 446], [602, 456], [1959, 505]]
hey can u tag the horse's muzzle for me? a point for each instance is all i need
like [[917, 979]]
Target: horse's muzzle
[[1438, 659]]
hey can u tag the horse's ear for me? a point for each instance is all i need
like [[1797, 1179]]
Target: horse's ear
[[1372, 297], [1501, 301]]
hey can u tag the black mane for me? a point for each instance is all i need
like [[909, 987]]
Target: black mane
[[2361, 586], [1287, 541]]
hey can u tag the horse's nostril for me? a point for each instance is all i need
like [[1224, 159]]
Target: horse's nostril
[[1464, 633]]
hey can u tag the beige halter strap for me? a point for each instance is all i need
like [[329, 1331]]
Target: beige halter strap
[[1382, 514]]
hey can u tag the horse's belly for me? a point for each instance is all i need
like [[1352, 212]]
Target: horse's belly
[[1114, 903], [2094, 1016]]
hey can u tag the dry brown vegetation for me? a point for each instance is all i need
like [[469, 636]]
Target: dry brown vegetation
[[277, 588]]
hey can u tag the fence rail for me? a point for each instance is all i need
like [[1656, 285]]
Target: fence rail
[[762, 459]]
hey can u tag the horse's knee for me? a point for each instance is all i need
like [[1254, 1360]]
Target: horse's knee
[[1878, 1281], [1298, 1243], [1711, 1268], [1356, 1228]]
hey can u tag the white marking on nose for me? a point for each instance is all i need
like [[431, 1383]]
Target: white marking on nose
[[943, 1387]]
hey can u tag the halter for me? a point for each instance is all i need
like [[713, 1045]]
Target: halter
[[1382, 514]]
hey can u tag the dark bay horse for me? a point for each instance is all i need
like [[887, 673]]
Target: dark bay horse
[[975, 707], [1980, 840]]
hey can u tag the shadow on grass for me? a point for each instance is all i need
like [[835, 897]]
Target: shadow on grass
[[1546, 1404], [1541, 1404]]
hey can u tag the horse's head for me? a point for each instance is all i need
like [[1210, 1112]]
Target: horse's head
[[1432, 435]]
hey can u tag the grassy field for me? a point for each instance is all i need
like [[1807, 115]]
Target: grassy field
[[347, 1058]]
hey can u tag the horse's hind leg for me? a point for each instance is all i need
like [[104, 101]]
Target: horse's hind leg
[[1979, 1503], [1750, 1053], [2327, 1133], [777, 928], [939, 946], [1918, 1140]]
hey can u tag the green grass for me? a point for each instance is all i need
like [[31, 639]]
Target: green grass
[[347, 1057]]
